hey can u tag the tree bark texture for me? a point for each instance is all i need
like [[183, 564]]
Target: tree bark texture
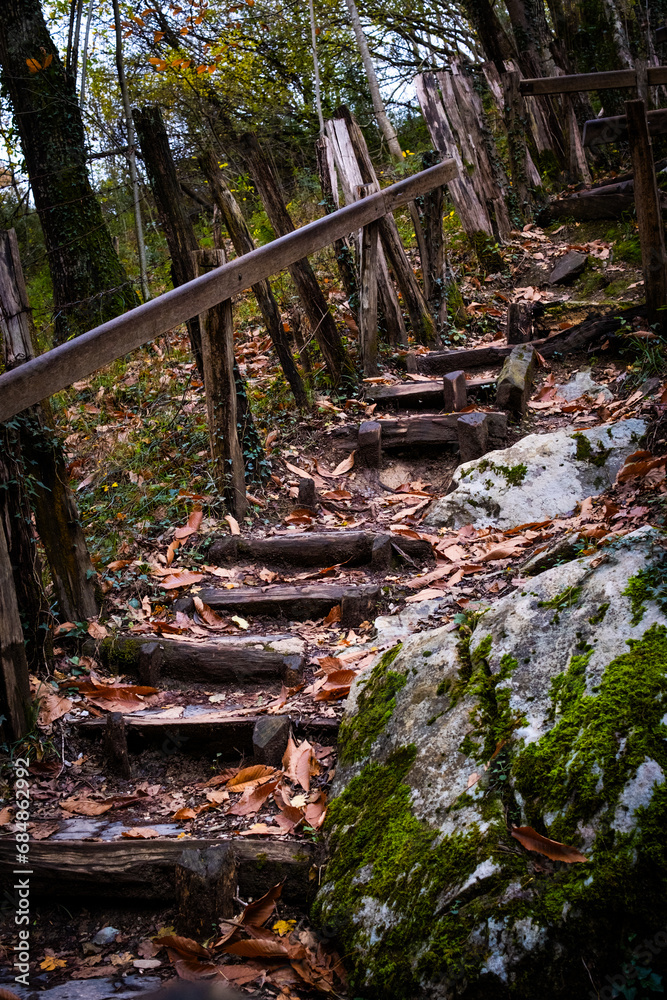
[[89, 283], [174, 219], [322, 323], [244, 243], [14, 679]]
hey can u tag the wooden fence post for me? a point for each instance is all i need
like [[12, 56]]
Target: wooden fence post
[[217, 345], [344, 253], [368, 297], [56, 514], [649, 217], [14, 680], [322, 323], [244, 243]]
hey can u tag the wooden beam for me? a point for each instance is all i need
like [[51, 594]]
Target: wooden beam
[[14, 680], [368, 298], [78, 358], [145, 869], [357, 603], [609, 80], [602, 130], [649, 218]]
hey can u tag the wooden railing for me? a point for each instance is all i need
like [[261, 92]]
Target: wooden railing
[[41, 377]]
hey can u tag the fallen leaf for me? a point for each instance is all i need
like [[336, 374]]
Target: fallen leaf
[[97, 631], [333, 616], [83, 806], [182, 579], [233, 524], [241, 622], [140, 833], [345, 466], [192, 526], [207, 614], [51, 707], [50, 963], [249, 776], [184, 813], [193, 971], [298, 472], [257, 913], [534, 841], [254, 798], [257, 948], [95, 973], [183, 945]]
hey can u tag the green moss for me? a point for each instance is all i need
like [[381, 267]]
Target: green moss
[[568, 688], [124, 654], [376, 704], [566, 599], [598, 617], [514, 474], [443, 687], [583, 763], [648, 585], [629, 251], [407, 864], [585, 452]]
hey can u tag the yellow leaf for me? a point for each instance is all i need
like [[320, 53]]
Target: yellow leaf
[[33, 65], [283, 927], [50, 963]]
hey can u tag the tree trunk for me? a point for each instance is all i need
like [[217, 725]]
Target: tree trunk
[[321, 321], [56, 514], [329, 184], [244, 243], [89, 283], [492, 36], [14, 679], [174, 219]]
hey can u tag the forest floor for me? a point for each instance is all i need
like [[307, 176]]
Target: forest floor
[[136, 441]]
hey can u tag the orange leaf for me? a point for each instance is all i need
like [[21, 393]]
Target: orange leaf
[[194, 971], [207, 614], [248, 774], [183, 945], [333, 616], [140, 833], [33, 65], [184, 813], [192, 526], [257, 913], [258, 948], [534, 841], [85, 807], [47, 61], [233, 524], [182, 579], [254, 798]]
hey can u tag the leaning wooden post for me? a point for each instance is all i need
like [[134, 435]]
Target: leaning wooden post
[[329, 185], [56, 514], [14, 680], [649, 218], [368, 293], [217, 347]]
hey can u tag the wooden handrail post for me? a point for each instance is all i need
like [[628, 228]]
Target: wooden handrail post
[[217, 347], [368, 293], [56, 514], [649, 217], [14, 680]]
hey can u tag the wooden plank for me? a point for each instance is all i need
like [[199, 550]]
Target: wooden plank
[[78, 358], [14, 679], [420, 429], [357, 603], [353, 548], [649, 219], [602, 130], [608, 80], [442, 362], [144, 869], [418, 393], [230, 737]]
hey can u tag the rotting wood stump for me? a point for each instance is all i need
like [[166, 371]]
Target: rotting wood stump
[[516, 379], [144, 870], [205, 887]]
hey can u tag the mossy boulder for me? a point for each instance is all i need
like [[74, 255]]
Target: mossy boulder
[[540, 477], [546, 711]]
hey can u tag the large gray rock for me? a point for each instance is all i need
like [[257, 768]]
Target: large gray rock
[[539, 477], [549, 714], [581, 384]]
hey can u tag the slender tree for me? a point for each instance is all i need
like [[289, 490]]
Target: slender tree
[[89, 283]]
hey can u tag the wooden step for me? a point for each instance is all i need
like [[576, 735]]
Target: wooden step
[[357, 603], [144, 869], [421, 429], [221, 659], [414, 394], [209, 732], [442, 362], [321, 548]]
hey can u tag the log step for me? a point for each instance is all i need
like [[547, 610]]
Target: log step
[[144, 869], [357, 604], [422, 429], [322, 548], [221, 659], [418, 393], [212, 732]]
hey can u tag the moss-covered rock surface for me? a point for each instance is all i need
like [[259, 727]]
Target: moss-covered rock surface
[[547, 711]]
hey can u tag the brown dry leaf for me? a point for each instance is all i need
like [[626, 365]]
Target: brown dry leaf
[[51, 707], [254, 798], [6, 815], [233, 524], [534, 841], [299, 759], [94, 973], [171, 551], [248, 776], [329, 664], [140, 833], [436, 574], [97, 631], [193, 971], [429, 594], [82, 806], [336, 495], [258, 948], [207, 614], [297, 471], [337, 685], [257, 913], [503, 551], [333, 616], [184, 813], [241, 974], [6, 994], [183, 945], [345, 466], [316, 810], [192, 526], [184, 578], [41, 831], [292, 813]]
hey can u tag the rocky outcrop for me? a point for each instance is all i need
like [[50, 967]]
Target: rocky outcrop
[[547, 711], [540, 477]]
